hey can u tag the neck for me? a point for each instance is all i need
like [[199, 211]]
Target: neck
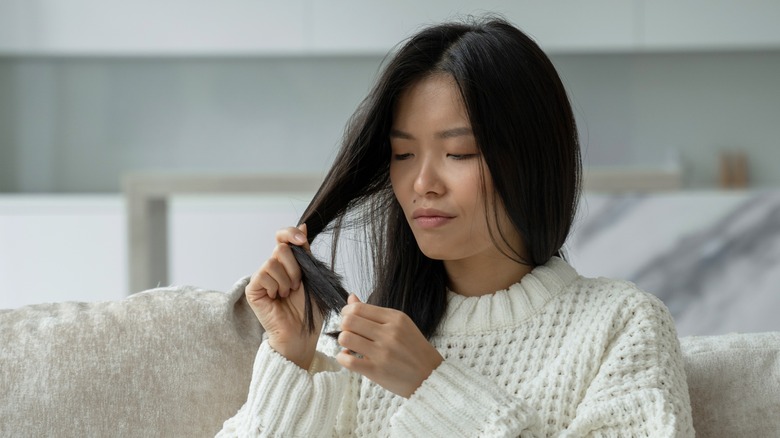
[[483, 275]]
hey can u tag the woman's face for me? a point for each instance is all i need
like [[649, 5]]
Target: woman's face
[[435, 173]]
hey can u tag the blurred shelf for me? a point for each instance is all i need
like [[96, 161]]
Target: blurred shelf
[[631, 179]]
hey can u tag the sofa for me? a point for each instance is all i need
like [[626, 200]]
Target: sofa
[[176, 361]]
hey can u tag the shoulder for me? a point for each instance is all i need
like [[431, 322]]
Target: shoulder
[[619, 300], [598, 290], [612, 290]]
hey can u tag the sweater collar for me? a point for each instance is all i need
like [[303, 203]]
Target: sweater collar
[[506, 308]]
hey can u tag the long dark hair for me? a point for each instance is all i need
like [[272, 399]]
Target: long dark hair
[[524, 127]]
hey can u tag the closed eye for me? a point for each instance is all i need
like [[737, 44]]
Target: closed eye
[[461, 156], [401, 157]]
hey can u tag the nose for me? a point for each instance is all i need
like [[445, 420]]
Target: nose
[[428, 181]]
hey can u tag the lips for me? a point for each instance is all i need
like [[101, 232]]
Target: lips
[[430, 218], [430, 212]]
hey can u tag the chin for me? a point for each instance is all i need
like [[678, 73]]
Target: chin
[[435, 253]]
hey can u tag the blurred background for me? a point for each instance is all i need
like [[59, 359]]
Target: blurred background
[[146, 142]]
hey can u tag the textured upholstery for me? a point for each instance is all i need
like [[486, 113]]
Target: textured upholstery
[[734, 383], [172, 361]]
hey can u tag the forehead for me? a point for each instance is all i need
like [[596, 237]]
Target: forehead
[[434, 98]]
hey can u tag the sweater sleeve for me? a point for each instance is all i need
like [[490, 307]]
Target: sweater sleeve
[[457, 401], [639, 390], [287, 401], [641, 387]]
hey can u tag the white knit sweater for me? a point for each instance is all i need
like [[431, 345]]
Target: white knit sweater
[[554, 355]]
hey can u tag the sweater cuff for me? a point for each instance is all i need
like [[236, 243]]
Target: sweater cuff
[[457, 401], [323, 362], [286, 400]]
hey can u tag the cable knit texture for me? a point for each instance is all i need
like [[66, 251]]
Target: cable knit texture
[[554, 355]]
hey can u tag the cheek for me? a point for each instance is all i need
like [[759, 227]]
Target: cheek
[[479, 193], [395, 183], [394, 179], [473, 189]]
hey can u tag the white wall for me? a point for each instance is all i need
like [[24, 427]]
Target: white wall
[[61, 249], [214, 241]]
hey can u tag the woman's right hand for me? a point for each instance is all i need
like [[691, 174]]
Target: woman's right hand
[[275, 294]]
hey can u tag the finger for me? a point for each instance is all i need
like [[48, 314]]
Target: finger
[[377, 314], [278, 273], [352, 361], [361, 326], [353, 299], [255, 293], [269, 284], [255, 283], [305, 230], [364, 327], [356, 343], [284, 255], [293, 236]]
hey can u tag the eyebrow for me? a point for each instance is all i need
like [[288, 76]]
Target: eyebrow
[[449, 133]]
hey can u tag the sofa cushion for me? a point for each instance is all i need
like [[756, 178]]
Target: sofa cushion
[[172, 361], [734, 383]]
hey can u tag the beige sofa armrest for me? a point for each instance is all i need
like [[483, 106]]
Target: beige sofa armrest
[[173, 361], [734, 384]]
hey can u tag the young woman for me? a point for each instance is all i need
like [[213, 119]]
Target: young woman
[[463, 167]]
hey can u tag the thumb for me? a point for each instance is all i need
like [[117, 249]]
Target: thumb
[[353, 299], [305, 232]]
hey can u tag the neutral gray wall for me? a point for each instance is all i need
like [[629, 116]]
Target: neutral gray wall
[[7, 148], [645, 109], [76, 124]]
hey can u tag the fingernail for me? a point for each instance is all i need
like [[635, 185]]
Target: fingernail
[[300, 238]]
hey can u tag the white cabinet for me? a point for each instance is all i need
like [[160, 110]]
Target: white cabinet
[[75, 247], [578, 26], [345, 27], [710, 25], [149, 27], [62, 248], [563, 26], [295, 27]]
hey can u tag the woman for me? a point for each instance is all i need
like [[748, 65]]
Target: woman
[[463, 165]]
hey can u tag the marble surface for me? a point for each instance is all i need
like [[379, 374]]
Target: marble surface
[[713, 256]]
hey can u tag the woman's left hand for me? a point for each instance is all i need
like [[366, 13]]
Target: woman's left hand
[[392, 351]]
